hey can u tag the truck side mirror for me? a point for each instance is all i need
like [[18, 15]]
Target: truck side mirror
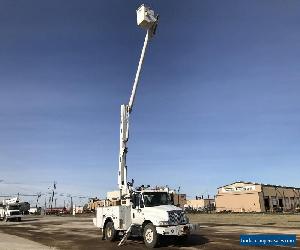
[[133, 199], [136, 200], [172, 199], [141, 202]]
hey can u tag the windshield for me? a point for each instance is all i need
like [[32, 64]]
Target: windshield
[[13, 207], [152, 199]]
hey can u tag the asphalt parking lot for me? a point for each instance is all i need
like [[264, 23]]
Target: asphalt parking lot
[[55, 232]]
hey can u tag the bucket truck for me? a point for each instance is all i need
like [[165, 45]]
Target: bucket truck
[[142, 211], [10, 210]]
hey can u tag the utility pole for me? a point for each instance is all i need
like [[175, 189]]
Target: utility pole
[[37, 199], [45, 205]]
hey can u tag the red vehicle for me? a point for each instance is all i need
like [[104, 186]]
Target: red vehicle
[[57, 211]]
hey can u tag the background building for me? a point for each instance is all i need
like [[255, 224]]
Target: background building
[[254, 197], [200, 204], [179, 199]]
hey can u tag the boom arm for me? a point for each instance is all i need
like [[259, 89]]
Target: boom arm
[[137, 75], [127, 108], [124, 129]]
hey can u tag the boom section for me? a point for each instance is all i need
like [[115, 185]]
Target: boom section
[[146, 20]]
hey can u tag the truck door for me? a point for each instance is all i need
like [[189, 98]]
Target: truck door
[[137, 215]]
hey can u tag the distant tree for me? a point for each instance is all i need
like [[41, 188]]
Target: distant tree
[[24, 207], [85, 207]]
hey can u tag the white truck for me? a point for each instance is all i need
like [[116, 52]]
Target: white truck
[[142, 211], [10, 210], [149, 213]]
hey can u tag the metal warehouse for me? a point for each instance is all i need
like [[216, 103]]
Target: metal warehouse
[[255, 197]]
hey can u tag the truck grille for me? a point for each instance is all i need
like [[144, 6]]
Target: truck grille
[[176, 217], [14, 213]]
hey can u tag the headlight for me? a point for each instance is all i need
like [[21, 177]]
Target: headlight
[[186, 219], [163, 223]]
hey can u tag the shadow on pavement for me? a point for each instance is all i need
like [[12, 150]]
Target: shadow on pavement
[[193, 240], [169, 241], [28, 220]]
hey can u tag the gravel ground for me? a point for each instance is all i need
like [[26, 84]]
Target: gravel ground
[[215, 232], [12, 242]]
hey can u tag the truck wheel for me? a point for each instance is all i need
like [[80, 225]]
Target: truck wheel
[[150, 236], [110, 232]]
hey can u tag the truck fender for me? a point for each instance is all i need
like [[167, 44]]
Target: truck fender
[[145, 223]]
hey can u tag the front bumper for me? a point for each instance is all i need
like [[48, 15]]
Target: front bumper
[[14, 216], [178, 230]]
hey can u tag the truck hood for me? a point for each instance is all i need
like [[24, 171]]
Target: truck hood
[[164, 208], [158, 213]]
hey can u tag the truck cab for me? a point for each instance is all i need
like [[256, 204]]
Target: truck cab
[[158, 204], [156, 207]]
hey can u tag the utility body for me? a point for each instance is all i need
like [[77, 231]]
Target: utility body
[[143, 211]]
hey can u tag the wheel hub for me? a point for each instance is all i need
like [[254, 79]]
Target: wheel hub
[[109, 232], [149, 235]]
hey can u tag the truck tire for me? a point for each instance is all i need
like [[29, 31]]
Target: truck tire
[[110, 232], [150, 236]]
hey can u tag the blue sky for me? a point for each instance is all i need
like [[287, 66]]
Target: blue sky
[[218, 99]]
